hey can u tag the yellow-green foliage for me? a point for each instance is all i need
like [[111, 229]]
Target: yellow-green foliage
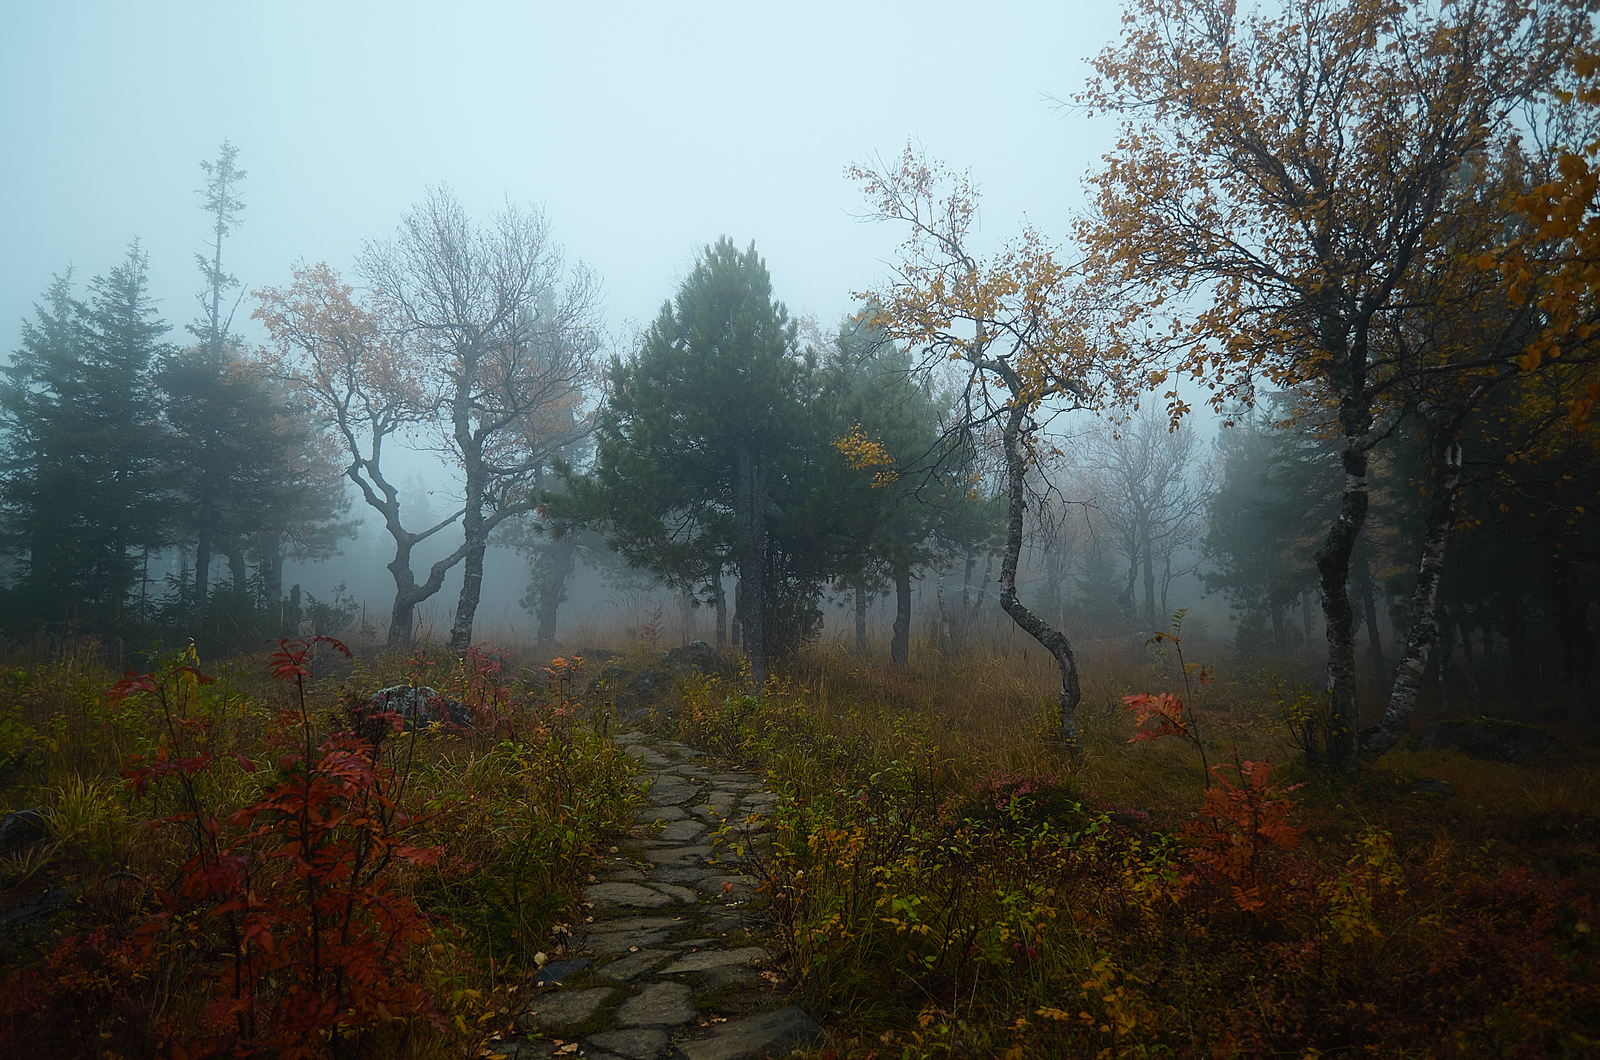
[[954, 882]]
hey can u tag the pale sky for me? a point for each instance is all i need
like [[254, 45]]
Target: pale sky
[[644, 131]]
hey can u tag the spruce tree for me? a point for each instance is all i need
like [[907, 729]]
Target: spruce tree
[[83, 489]]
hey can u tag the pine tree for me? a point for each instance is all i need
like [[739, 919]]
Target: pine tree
[[83, 490]]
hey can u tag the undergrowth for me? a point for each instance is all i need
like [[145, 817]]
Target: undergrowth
[[948, 881], [283, 867]]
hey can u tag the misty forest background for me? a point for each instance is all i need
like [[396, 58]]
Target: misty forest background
[[165, 484]]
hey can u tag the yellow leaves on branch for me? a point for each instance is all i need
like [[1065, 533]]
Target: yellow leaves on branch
[[863, 453]]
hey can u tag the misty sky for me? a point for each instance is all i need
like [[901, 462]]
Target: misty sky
[[644, 131]]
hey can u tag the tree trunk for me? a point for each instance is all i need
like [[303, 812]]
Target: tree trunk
[[751, 500], [861, 620], [720, 600], [1439, 517], [476, 544], [1052, 640], [1347, 370], [686, 616], [945, 644], [559, 558], [900, 646], [1149, 583]]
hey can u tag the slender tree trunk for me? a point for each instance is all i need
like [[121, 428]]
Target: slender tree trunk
[[559, 558], [751, 500], [476, 544], [720, 599], [1348, 374], [686, 616], [861, 620], [238, 569], [1439, 518], [1149, 583], [900, 646], [945, 644], [1052, 640]]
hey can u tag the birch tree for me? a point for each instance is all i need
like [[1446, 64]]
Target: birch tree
[[1283, 178], [1009, 324]]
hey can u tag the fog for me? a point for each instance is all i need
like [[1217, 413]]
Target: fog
[[643, 131]]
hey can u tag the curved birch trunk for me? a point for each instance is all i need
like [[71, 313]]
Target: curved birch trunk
[[1440, 516], [1053, 640]]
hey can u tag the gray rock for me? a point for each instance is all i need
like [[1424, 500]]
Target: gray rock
[[615, 942], [704, 960], [565, 1009], [625, 739], [686, 875], [1433, 786], [683, 894], [625, 895], [634, 923], [669, 791], [640, 1043], [647, 756], [681, 832], [652, 814], [658, 1005], [756, 1036], [675, 855], [633, 965], [739, 888]]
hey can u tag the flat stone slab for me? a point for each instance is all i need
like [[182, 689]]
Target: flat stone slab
[[625, 895], [681, 832], [740, 887], [683, 894], [634, 923], [674, 855], [633, 965], [647, 756], [671, 794], [639, 1043], [705, 960], [652, 814], [658, 1005], [680, 874], [756, 1036], [611, 943], [565, 1008]]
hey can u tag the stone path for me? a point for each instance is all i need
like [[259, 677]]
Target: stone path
[[670, 966]]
